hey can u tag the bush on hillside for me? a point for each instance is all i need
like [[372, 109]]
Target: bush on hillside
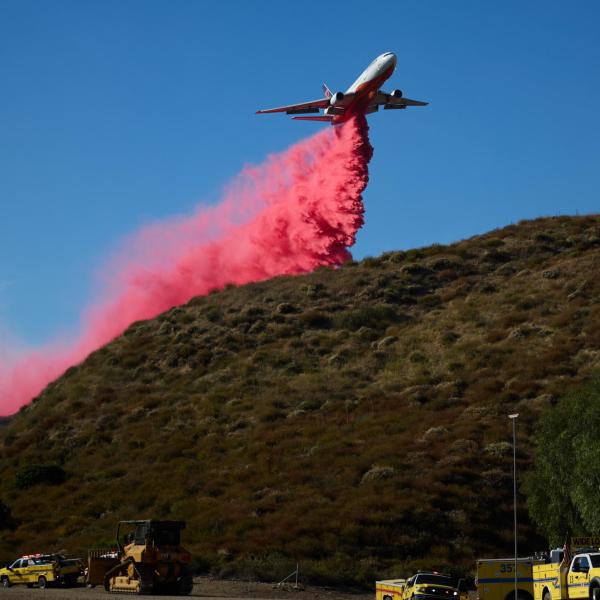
[[6, 519], [34, 474], [376, 317]]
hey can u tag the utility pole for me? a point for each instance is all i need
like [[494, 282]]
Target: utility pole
[[513, 418]]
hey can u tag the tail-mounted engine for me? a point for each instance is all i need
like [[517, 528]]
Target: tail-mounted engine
[[337, 98]]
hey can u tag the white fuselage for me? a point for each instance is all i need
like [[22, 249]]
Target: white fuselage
[[376, 73]]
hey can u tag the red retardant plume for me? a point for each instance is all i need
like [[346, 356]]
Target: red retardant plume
[[299, 210]]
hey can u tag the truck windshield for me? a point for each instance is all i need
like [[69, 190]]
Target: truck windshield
[[595, 558], [435, 579]]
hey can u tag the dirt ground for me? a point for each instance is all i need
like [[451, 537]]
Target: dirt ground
[[204, 587]]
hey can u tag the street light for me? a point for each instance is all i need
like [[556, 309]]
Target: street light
[[513, 418]]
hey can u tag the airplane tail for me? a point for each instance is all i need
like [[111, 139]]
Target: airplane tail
[[327, 91]]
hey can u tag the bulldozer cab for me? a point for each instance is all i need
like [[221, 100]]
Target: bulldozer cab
[[153, 533]]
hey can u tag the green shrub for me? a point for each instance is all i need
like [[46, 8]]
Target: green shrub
[[6, 520], [370, 262], [449, 337], [375, 317], [496, 256], [315, 319], [35, 474]]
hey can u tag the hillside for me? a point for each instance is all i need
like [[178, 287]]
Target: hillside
[[352, 419]]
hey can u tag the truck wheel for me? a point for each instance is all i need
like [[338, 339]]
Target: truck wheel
[[41, 582], [547, 596], [595, 593], [5, 581]]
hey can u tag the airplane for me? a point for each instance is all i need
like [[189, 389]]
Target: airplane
[[364, 96]]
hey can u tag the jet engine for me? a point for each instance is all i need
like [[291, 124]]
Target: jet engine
[[336, 98], [396, 94]]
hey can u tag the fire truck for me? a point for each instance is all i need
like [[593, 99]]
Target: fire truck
[[496, 578]]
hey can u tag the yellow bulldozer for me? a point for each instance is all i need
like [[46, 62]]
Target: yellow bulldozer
[[147, 559]]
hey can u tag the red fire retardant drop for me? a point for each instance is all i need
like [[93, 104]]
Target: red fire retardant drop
[[299, 210]]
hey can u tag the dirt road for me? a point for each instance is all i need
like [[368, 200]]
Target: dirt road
[[204, 587]]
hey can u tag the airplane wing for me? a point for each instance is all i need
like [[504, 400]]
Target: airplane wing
[[323, 118], [391, 101], [406, 102], [298, 109]]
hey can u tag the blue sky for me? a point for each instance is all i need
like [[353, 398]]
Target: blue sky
[[116, 113]]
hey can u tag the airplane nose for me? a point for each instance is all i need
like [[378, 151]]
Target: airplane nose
[[391, 59]]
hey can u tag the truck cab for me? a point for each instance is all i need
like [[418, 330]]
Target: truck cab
[[580, 579], [584, 569]]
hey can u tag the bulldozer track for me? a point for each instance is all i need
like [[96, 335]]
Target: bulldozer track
[[186, 584], [145, 577]]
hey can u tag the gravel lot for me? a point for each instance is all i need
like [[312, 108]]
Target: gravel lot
[[204, 587]]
